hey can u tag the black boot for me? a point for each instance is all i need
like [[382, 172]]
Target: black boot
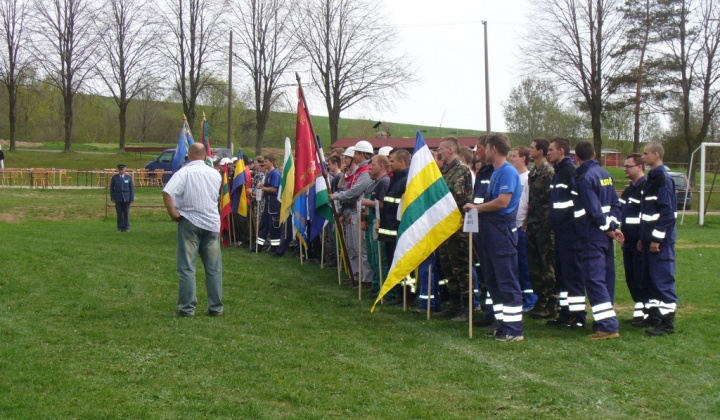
[[666, 326], [454, 308], [652, 319]]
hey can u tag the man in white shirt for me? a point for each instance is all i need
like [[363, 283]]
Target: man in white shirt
[[520, 159], [191, 198]]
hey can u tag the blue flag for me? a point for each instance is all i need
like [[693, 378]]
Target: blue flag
[[184, 141], [300, 217]]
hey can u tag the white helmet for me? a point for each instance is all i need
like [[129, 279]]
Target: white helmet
[[349, 152], [233, 160], [385, 151], [224, 161], [364, 146]]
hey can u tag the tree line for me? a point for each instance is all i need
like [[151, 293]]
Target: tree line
[[626, 65], [139, 53]]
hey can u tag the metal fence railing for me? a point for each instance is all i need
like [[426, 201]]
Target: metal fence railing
[[70, 178]]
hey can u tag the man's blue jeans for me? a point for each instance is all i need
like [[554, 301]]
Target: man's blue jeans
[[192, 240]]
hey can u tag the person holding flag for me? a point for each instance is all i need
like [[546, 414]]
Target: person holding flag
[[225, 204], [240, 180], [373, 200], [428, 216], [363, 152], [270, 221]]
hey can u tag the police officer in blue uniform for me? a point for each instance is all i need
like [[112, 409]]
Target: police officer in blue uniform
[[270, 220], [498, 247], [630, 202], [567, 243], [597, 217], [657, 242], [122, 193]]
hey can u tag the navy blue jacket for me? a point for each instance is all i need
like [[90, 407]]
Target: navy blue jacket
[[659, 208], [630, 202], [482, 183], [562, 214], [122, 189], [388, 213], [597, 209]]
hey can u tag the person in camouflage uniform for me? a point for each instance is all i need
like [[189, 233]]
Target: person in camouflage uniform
[[454, 251], [540, 243]]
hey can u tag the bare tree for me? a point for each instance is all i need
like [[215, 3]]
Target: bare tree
[[692, 63], [128, 41], [573, 43], [642, 19], [195, 27], [267, 50], [353, 57], [13, 17], [66, 44]]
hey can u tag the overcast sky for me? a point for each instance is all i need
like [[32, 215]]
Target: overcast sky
[[446, 40]]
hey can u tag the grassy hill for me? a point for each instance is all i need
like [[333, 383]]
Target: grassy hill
[[40, 120]]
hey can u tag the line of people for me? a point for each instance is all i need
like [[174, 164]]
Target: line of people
[[545, 240]]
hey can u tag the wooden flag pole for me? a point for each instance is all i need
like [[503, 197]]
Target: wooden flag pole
[[405, 293], [380, 274], [470, 286], [322, 250], [360, 261], [336, 216], [429, 296], [250, 224], [338, 259], [231, 224], [257, 232]]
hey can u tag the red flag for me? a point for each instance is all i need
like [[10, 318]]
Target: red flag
[[306, 168]]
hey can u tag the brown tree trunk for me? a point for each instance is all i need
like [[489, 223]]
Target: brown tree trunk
[[68, 101], [122, 118], [12, 115]]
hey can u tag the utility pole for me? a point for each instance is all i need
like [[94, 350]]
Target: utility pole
[[229, 123], [487, 82]]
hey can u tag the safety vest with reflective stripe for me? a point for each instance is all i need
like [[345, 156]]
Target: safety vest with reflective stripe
[[388, 213], [630, 207], [562, 213], [658, 207]]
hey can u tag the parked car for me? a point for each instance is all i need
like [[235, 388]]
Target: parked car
[[164, 161], [683, 191]]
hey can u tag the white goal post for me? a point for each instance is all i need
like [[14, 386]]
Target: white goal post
[[701, 201]]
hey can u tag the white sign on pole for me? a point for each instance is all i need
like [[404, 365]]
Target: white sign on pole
[[470, 223]]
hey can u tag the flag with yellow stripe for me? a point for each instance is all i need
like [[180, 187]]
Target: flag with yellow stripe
[[429, 215]]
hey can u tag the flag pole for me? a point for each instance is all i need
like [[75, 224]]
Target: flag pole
[[380, 274], [336, 216], [257, 231], [338, 261], [470, 286], [429, 296], [322, 250], [360, 261]]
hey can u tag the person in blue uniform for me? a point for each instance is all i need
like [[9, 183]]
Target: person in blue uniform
[[122, 193], [630, 202], [389, 223], [482, 182], [567, 244], [657, 243], [597, 217], [498, 247], [270, 220]]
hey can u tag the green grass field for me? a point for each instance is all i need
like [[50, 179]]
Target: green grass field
[[86, 332]]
